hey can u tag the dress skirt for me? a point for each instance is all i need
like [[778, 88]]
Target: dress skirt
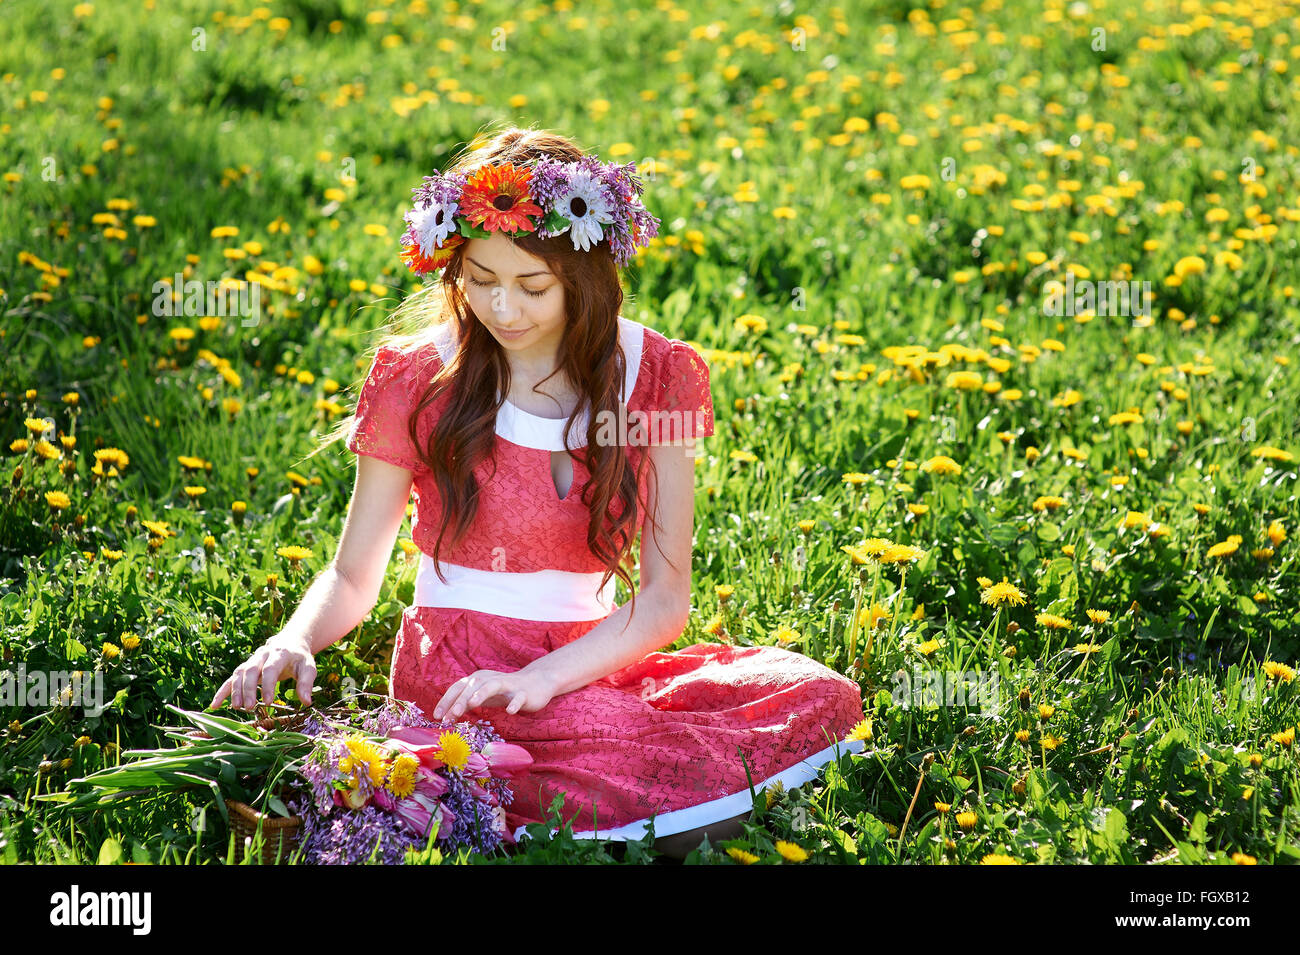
[[668, 738]]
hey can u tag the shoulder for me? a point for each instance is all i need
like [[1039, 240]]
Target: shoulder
[[666, 357], [410, 362]]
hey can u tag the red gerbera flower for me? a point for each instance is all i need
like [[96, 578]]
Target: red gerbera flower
[[422, 264], [497, 198]]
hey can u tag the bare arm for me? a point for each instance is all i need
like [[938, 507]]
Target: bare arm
[[345, 592], [341, 595]]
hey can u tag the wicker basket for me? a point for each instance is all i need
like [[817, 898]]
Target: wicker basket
[[278, 832]]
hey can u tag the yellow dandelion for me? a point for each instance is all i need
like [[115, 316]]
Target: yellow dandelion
[[861, 731], [1273, 454], [1053, 622], [1222, 549], [790, 851], [941, 464], [453, 749], [785, 635], [1278, 671], [901, 554], [1002, 593], [740, 855], [966, 820], [997, 858], [401, 777]]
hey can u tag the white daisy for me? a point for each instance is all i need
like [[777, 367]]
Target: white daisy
[[432, 224], [585, 205]]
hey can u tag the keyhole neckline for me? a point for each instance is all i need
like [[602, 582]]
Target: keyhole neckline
[[551, 457]]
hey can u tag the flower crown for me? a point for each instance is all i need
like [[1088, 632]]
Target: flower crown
[[588, 199]]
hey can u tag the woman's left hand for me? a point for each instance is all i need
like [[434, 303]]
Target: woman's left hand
[[517, 691]]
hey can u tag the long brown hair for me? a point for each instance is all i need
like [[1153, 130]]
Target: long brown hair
[[589, 355]]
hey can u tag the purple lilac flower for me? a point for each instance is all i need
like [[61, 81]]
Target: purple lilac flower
[[348, 838]]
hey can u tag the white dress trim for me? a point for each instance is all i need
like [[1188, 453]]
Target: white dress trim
[[547, 434], [553, 595], [715, 810]]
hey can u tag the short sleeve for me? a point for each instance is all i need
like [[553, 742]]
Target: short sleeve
[[682, 405], [380, 426]]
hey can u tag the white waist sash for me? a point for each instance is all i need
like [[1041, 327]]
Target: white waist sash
[[557, 595]]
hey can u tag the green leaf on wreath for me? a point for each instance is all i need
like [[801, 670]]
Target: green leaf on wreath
[[555, 223], [472, 231]]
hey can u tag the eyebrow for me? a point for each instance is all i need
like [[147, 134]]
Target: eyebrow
[[526, 275]]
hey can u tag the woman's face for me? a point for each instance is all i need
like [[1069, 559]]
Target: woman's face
[[511, 291]]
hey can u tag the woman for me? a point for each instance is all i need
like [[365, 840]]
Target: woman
[[539, 427]]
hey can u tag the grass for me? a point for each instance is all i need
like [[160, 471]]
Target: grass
[[863, 209]]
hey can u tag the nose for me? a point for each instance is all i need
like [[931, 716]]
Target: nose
[[505, 305]]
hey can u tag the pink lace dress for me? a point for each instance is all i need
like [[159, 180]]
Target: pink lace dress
[[663, 738]]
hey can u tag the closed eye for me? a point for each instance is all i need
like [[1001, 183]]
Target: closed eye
[[527, 291]]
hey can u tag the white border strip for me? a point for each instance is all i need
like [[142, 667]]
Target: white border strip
[[715, 810], [551, 595]]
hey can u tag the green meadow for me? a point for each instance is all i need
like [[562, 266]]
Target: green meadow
[[1053, 539]]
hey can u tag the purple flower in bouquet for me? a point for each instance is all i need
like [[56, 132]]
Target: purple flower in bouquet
[[390, 783]]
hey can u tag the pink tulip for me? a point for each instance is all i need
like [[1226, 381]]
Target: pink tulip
[[424, 753], [354, 798], [506, 759], [447, 819], [417, 735], [416, 811]]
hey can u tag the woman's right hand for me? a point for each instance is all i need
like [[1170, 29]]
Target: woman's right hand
[[279, 658]]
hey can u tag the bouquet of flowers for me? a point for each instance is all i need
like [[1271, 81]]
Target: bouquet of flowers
[[365, 783], [401, 780]]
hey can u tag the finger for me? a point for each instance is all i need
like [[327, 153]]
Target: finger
[[305, 673], [467, 689], [454, 708], [271, 668], [236, 688], [248, 687], [517, 701], [448, 698], [485, 692], [223, 692]]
